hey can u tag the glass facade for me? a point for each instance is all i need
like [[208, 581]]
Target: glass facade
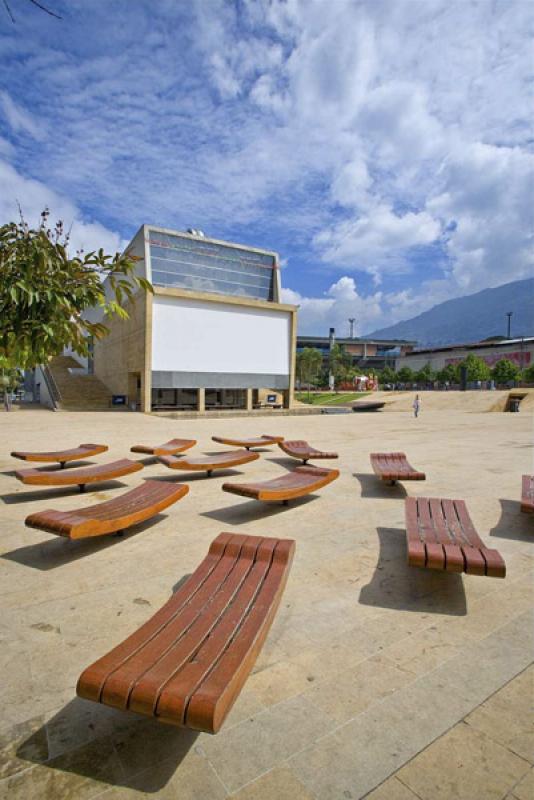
[[204, 266]]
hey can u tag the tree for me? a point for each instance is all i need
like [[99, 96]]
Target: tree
[[528, 374], [44, 293], [425, 375], [309, 362], [477, 369], [388, 375], [10, 380], [405, 375], [449, 374], [340, 363], [505, 371]]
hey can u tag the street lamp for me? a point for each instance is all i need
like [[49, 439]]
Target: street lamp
[[509, 315]]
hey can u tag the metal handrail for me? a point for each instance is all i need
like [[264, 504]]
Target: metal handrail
[[51, 385]]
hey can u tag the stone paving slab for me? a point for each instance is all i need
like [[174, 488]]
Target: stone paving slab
[[375, 677]]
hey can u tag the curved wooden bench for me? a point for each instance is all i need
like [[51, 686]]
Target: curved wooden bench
[[78, 477], [62, 456], [260, 441], [231, 458], [303, 450], [139, 504], [298, 483], [167, 449], [393, 467], [188, 663], [441, 535], [527, 494]]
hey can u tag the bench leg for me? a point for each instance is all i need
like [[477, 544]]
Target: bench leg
[[118, 533], [285, 502], [210, 471], [62, 465], [81, 487]]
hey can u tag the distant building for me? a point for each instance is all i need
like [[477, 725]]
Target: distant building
[[366, 353], [520, 351], [213, 334]]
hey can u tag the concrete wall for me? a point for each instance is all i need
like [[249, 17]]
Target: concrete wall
[[122, 351]]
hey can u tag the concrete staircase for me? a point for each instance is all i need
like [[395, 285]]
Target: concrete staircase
[[78, 392]]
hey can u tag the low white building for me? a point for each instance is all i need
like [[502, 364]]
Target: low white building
[[520, 351]]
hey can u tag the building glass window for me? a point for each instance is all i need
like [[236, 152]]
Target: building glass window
[[204, 266]]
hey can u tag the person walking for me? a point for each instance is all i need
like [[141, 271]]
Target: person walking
[[416, 405]]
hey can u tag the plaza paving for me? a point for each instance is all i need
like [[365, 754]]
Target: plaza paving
[[377, 680]]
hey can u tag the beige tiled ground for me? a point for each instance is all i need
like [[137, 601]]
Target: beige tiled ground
[[376, 680]]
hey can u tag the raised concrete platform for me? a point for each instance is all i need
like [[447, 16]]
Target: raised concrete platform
[[376, 680]]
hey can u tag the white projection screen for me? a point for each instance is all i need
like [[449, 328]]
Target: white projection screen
[[197, 336]]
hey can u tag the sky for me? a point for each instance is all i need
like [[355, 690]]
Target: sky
[[384, 148]]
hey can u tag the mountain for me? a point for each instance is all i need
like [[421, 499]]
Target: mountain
[[470, 318]]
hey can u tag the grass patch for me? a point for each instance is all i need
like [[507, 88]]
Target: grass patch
[[329, 398]]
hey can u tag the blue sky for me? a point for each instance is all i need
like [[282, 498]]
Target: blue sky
[[382, 147]]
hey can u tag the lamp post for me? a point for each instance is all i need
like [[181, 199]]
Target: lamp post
[[509, 315]]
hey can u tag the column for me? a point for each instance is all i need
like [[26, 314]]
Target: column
[[201, 400]]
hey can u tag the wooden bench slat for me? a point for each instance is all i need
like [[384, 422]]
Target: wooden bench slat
[[171, 671], [62, 456], [393, 467], [200, 647], [302, 450], [118, 687], [230, 458], [211, 702], [135, 506], [78, 477], [444, 531], [527, 494], [464, 531], [454, 557], [166, 449], [416, 547], [297, 483], [92, 680], [261, 441], [435, 554]]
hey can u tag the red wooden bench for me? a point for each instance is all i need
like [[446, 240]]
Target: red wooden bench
[[231, 458], [62, 456], [78, 477], [139, 504], [188, 663], [527, 494], [303, 451], [167, 449], [260, 441], [298, 483], [393, 467], [441, 535]]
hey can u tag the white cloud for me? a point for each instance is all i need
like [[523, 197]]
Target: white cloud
[[366, 132], [33, 197], [17, 118], [338, 304]]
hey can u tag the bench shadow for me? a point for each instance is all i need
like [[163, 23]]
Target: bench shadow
[[514, 523], [398, 586], [46, 467], [57, 552], [59, 491], [112, 747], [248, 511], [372, 486], [287, 462], [180, 475]]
